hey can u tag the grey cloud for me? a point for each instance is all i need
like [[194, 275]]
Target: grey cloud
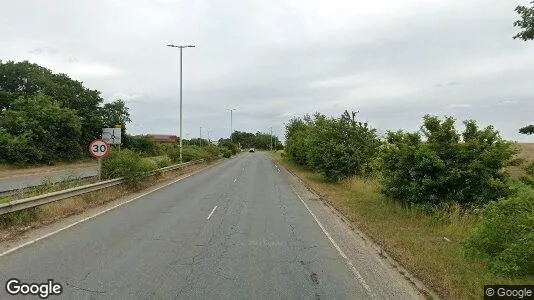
[[275, 60]]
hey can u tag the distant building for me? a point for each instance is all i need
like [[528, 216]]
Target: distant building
[[163, 138]]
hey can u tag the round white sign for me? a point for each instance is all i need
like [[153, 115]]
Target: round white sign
[[98, 149]]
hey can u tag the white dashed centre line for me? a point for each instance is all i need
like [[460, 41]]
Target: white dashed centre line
[[211, 213]]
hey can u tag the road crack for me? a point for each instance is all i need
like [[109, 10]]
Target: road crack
[[84, 289]]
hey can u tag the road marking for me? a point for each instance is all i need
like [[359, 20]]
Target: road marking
[[99, 213], [347, 260], [211, 213]]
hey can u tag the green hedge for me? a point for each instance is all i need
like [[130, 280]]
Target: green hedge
[[336, 147], [447, 167], [128, 164], [504, 237]]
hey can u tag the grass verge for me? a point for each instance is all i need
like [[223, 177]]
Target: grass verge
[[15, 223], [429, 245], [47, 187]]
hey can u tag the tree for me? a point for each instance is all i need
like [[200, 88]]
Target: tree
[[115, 113], [336, 147], [449, 167], [259, 140], [527, 129], [27, 79], [526, 23], [37, 129]]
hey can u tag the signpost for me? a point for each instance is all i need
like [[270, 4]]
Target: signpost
[[99, 149], [112, 136]]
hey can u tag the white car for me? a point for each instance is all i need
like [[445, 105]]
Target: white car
[[251, 150]]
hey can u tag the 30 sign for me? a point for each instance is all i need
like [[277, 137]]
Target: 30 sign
[[98, 149]]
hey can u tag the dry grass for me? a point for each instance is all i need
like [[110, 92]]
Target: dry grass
[[12, 171], [47, 187], [427, 244], [13, 224], [527, 150], [526, 153]]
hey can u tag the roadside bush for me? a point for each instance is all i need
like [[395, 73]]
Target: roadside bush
[[163, 162], [140, 144], [337, 148], [213, 152], [128, 164], [448, 167], [165, 148], [193, 152], [226, 143], [227, 153], [174, 154], [40, 130], [529, 171], [190, 153], [297, 140], [504, 237]]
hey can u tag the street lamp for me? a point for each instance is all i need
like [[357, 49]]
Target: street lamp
[[200, 138], [231, 122], [271, 144], [181, 48], [211, 131]]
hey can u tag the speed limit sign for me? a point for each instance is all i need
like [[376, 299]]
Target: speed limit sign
[[98, 149]]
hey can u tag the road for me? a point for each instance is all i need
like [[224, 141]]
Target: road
[[239, 230], [24, 181]]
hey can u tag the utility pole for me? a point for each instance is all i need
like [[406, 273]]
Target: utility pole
[[200, 139], [271, 139], [231, 123], [210, 131], [181, 48]]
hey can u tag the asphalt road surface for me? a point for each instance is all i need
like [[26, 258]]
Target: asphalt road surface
[[24, 181], [239, 230]]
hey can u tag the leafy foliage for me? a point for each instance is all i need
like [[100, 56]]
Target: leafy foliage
[[526, 23], [128, 164], [67, 114], [144, 145], [227, 144], [193, 152], [448, 167], [259, 140], [163, 162], [336, 147], [527, 129], [504, 237], [37, 129]]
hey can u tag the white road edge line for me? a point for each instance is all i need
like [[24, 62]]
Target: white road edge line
[[95, 215], [347, 260], [211, 213]]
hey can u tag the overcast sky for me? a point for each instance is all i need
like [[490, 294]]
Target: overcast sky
[[393, 60]]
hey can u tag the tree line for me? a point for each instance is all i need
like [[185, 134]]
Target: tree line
[[430, 169], [47, 117], [259, 140]]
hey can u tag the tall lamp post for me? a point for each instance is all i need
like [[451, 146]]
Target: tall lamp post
[[210, 131], [271, 144], [181, 48], [231, 122]]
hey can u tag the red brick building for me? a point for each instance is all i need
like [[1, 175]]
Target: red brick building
[[163, 138]]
